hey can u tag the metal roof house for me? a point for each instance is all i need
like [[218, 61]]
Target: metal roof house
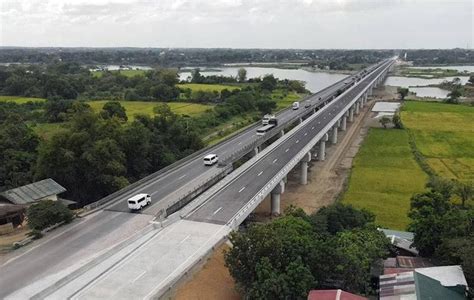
[[446, 282], [46, 189]]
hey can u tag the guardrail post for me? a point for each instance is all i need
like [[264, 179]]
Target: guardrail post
[[282, 133]]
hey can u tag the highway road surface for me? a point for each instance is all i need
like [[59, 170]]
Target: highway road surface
[[222, 207], [85, 238]]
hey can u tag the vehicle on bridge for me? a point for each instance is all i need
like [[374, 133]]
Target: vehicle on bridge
[[139, 201], [210, 159], [265, 129], [296, 105], [307, 103], [266, 119]]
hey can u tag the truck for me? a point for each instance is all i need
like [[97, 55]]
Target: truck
[[269, 119]]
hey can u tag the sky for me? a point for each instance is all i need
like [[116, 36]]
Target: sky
[[296, 24]]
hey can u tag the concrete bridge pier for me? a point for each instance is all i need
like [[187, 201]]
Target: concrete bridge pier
[[254, 152], [304, 168], [322, 147], [344, 123], [281, 134], [334, 135], [275, 197], [351, 114], [357, 108]]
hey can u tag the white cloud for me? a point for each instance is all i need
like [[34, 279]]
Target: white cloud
[[237, 23]]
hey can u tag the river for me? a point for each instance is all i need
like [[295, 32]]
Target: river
[[315, 81]]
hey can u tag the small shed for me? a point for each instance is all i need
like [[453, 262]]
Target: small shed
[[46, 189]]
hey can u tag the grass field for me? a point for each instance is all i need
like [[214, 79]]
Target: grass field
[[384, 177], [128, 73], [444, 134], [20, 100], [284, 101], [141, 107], [207, 87]]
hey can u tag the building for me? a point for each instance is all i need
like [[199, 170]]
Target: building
[[446, 282], [403, 240], [46, 189], [13, 202], [333, 295]]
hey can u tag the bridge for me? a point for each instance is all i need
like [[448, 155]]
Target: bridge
[[148, 258]]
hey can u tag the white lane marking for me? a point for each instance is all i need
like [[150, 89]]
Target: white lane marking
[[305, 133], [287, 149], [313, 127], [187, 237], [138, 277], [217, 210], [297, 141], [275, 160], [243, 188], [239, 143], [260, 173], [181, 177]]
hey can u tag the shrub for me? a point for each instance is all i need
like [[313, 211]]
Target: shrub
[[46, 213]]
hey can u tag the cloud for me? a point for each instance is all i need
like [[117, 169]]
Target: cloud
[[236, 23]]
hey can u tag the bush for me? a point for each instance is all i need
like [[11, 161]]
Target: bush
[[47, 213]]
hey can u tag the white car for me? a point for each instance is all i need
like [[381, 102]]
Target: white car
[[210, 159], [139, 201]]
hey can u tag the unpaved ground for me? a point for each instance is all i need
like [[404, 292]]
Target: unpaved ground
[[213, 281], [326, 180]]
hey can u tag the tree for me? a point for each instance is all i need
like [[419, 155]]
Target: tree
[[113, 109], [268, 83], [47, 213], [471, 79], [441, 185], [465, 191], [266, 106], [397, 121], [196, 76], [17, 152], [287, 257], [433, 219], [339, 217], [403, 92], [455, 94], [384, 121], [458, 251], [242, 75]]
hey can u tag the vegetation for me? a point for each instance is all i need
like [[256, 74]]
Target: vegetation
[[443, 230], [284, 259], [430, 72], [384, 177], [20, 100], [135, 108], [47, 213], [403, 92], [384, 121], [444, 135]]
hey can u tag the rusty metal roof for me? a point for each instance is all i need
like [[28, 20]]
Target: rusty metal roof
[[33, 192]]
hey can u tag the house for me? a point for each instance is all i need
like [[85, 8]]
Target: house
[[46, 189], [445, 282], [403, 240], [333, 295]]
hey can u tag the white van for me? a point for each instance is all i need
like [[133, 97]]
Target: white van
[[139, 201], [296, 105], [210, 159]]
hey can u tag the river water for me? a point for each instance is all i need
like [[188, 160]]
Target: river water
[[315, 81], [420, 85]]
